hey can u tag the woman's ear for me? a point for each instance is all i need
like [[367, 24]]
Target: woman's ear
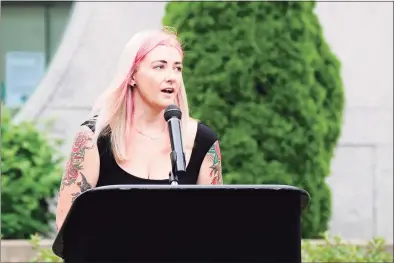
[[132, 80]]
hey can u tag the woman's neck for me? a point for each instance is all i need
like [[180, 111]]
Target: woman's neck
[[148, 121]]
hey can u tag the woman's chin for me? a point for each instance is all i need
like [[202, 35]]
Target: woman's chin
[[164, 102]]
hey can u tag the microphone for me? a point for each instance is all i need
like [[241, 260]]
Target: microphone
[[173, 115]]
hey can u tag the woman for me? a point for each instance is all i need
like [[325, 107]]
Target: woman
[[128, 142]]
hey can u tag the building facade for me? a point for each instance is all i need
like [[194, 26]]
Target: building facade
[[30, 34]]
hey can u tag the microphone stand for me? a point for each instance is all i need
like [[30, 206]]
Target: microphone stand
[[173, 174], [173, 179]]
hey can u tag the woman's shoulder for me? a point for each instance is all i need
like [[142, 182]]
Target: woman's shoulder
[[204, 134], [207, 131]]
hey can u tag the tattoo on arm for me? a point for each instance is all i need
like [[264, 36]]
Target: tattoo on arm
[[83, 187], [215, 157], [74, 163]]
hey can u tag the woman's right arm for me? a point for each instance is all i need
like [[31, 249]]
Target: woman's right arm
[[81, 172]]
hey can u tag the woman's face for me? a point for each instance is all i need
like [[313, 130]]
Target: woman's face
[[159, 76]]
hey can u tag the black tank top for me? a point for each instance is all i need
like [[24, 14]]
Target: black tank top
[[112, 174]]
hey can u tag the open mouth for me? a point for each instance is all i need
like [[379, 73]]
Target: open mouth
[[168, 90]]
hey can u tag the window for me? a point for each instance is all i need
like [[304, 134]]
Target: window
[[30, 34]]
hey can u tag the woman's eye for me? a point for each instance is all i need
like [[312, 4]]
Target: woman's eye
[[162, 67]]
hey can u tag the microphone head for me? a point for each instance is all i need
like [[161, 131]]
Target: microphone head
[[172, 111]]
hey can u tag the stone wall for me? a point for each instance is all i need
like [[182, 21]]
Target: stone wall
[[361, 35]]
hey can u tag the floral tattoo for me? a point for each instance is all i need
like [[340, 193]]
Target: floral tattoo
[[74, 163], [215, 157]]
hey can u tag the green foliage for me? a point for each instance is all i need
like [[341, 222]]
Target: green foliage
[[42, 254], [31, 172], [330, 250], [334, 249], [262, 76]]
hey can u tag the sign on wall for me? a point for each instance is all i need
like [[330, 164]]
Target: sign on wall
[[23, 73]]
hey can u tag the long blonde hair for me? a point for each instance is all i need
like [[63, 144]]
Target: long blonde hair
[[115, 106]]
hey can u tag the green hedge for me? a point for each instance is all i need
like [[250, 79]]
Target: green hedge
[[332, 249], [262, 75], [30, 175]]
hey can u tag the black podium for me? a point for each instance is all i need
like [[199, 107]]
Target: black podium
[[227, 223]]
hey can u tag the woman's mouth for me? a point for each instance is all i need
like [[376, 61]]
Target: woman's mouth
[[168, 90]]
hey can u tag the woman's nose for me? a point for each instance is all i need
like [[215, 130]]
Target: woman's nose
[[170, 78]]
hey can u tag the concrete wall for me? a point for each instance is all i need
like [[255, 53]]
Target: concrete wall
[[360, 33]]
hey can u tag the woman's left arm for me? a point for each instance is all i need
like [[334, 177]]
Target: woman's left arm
[[211, 167]]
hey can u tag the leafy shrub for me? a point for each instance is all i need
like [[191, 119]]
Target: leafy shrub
[[42, 254], [331, 250], [334, 249], [262, 76], [31, 174]]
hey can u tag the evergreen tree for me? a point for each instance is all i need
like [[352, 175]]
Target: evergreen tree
[[263, 77]]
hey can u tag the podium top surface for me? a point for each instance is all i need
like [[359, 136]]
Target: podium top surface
[[196, 193], [305, 197], [202, 187]]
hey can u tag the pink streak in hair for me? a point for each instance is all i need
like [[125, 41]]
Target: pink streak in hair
[[161, 39]]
